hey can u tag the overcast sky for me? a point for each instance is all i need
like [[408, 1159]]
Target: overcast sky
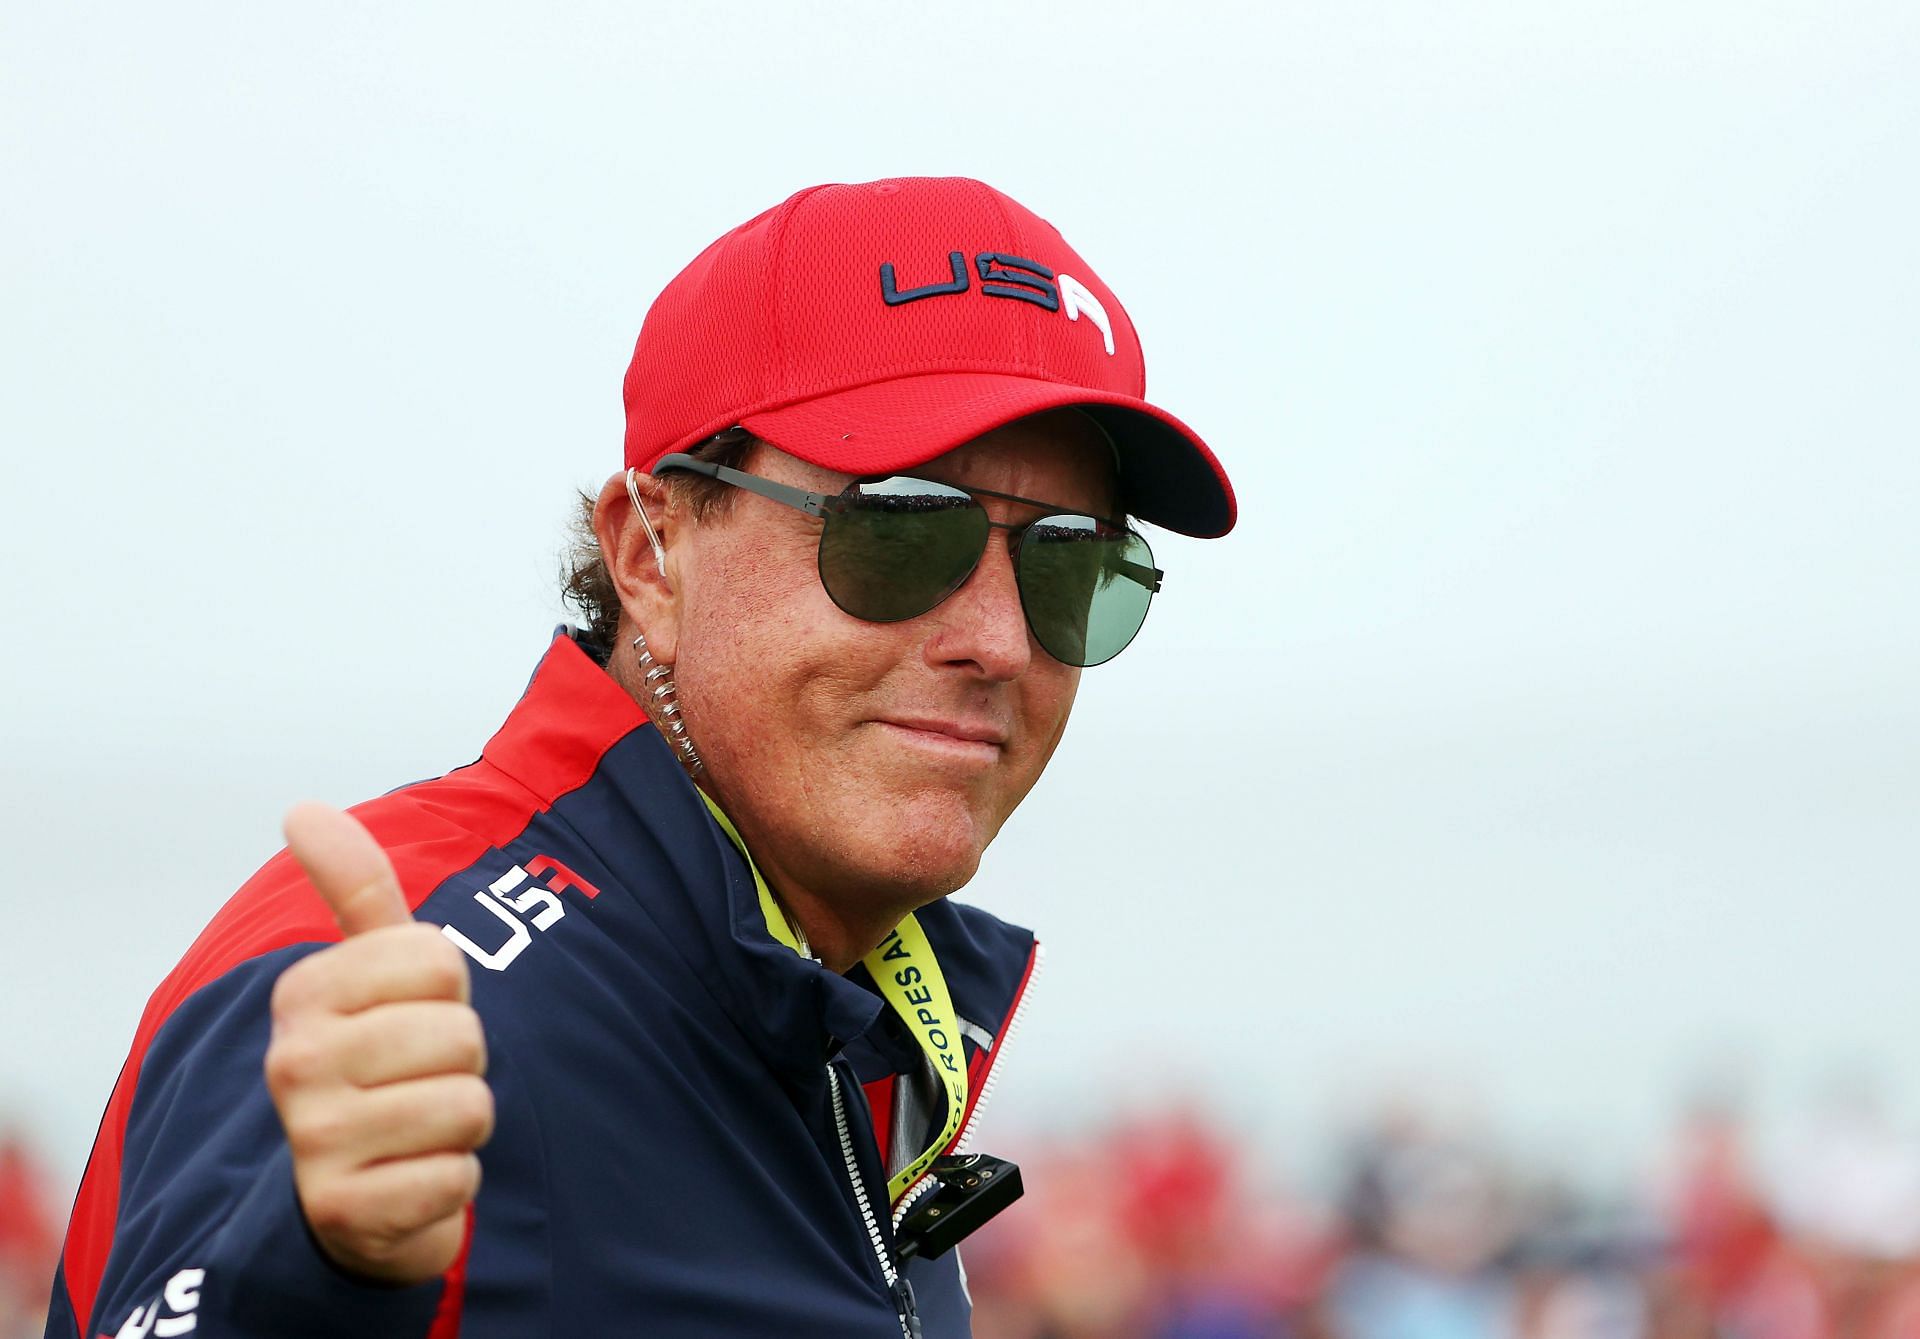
[[1548, 727]]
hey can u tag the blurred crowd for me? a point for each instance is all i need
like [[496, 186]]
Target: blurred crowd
[[1162, 1229], [32, 1221], [1170, 1228]]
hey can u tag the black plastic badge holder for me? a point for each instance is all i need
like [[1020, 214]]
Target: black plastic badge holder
[[969, 1189]]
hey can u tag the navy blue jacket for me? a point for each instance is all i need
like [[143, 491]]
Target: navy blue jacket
[[666, 1160]]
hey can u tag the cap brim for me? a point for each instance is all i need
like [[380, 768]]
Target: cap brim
[[1167, 474]]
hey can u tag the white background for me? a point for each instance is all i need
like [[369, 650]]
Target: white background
[[1547, 730]]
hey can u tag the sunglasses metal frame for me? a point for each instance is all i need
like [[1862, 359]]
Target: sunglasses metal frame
[[823, 505]]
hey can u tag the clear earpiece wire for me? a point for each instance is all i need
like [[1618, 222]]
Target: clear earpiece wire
[[633, 492], [662, 704]]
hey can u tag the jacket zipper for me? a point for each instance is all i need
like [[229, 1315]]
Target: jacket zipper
[[907, 1198], [964, 1139], [897, 1286]]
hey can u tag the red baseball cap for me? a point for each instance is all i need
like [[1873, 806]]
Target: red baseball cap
[[869, 328]]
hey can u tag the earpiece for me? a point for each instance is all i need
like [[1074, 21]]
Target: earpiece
[[633, 491]]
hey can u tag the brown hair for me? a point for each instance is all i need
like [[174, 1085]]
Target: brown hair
[[585, 582]]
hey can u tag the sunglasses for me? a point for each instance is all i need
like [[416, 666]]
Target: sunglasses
[[892, 548]]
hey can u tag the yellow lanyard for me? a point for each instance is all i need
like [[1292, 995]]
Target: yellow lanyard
[[910, 980]]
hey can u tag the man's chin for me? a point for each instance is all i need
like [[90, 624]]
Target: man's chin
[[930, 854]]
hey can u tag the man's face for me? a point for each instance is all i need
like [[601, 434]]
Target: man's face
[[875, 761]]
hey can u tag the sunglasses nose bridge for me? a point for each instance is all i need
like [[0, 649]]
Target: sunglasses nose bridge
[[982, 549], [1016, 533], [979, 517]]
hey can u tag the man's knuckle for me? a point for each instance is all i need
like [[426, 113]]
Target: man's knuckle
[[302, 1142], [472, 1104], [320, 1129], [391, 1215], [333, 1208], [445, 1184], [295, 1059], [441, 963], [293, 990], [470, 1042]]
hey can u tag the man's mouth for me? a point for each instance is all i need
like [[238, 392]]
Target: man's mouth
[[961, 740]]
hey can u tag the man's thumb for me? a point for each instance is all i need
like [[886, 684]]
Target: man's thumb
[[347, 866]]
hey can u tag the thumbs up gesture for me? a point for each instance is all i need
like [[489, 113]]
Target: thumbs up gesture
[[375, 1067]]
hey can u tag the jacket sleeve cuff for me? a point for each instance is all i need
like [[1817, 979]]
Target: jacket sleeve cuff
[[278, 1281]]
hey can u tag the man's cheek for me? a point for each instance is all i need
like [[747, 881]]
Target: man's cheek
[[1048, 713]]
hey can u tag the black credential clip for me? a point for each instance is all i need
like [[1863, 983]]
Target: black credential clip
[[968, 1190]]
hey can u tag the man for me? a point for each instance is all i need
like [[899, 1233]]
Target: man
[[672, 962]]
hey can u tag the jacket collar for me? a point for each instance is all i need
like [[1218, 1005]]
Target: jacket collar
[[575, 729]]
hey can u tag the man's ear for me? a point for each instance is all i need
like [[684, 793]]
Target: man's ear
[[639, 556]]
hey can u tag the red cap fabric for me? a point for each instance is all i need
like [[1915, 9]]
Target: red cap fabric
[[869, 328]]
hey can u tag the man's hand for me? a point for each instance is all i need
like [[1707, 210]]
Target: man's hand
[[375, 1066]]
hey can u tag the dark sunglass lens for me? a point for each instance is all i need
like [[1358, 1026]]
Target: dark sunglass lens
[[894, 548], [1086, 587]]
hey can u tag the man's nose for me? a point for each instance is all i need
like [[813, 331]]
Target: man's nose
[[983, 623]]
